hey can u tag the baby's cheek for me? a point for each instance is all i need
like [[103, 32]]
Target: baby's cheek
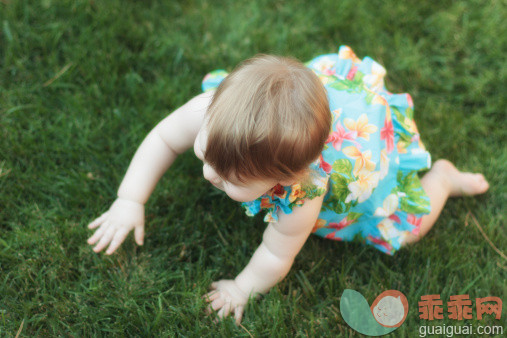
[[241, 195], [238, 197]]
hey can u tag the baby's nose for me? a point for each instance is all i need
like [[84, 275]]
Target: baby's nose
[[210, 174]]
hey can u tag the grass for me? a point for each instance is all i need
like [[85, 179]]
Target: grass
[[81, 84]]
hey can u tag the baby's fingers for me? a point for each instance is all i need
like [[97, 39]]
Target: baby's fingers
[[98, 233], [98, 221], [217, 304], [238, 314], [104, 241], [211, 296], [225, 310], [118, 238], [139, 234]]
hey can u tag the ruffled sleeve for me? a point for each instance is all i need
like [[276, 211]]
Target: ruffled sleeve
[[285, 198], [213, 79]]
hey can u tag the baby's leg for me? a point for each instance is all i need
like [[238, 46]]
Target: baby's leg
[[441, 182]]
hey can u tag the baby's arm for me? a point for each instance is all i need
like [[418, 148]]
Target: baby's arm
[[172, 136], [271, 261]]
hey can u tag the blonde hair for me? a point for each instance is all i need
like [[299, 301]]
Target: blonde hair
[[269, 118]]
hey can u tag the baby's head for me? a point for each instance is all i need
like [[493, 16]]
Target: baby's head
[[269, 119]]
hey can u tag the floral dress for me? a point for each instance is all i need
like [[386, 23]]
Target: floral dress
[[369, 163]]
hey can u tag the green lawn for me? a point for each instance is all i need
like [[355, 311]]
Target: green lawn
[[81, 84]]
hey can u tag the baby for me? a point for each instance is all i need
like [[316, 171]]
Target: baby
[[323, 148]]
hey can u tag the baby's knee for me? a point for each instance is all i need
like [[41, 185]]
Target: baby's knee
[[410, 239]]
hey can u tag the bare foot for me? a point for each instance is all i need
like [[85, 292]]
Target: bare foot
[[460, 183]]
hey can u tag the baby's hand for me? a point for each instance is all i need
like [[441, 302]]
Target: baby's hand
[[226, 298], [116, 223]]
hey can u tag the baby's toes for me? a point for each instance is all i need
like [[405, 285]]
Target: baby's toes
[[475, 184], [482, 184], [470, 184]]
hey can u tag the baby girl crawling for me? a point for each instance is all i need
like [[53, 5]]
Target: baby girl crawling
[[323, 148]]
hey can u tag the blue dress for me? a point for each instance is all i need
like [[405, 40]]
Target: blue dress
[[369, 163]]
